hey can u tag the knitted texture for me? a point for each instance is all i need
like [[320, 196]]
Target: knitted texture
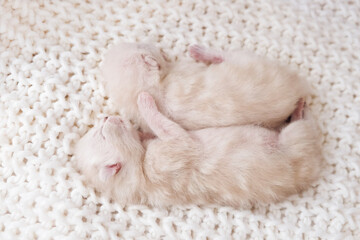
[[51, 94]]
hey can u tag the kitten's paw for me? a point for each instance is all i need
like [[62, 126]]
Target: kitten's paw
[[146, 101], [202, 54], [299, 112]]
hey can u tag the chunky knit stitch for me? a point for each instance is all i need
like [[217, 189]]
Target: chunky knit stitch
[[51, 94]]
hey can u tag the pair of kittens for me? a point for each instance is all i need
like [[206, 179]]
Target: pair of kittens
[[220, 131]]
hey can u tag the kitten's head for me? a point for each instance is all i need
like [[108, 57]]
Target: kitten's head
[[134, 66], [128, 69], [110, 154]]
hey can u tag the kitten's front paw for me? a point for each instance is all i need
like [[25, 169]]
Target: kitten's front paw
[[146, 101]]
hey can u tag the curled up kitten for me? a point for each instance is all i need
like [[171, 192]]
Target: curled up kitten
[[233, 166], [236, 88]]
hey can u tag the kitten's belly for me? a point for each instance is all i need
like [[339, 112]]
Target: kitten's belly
[[230, 146]]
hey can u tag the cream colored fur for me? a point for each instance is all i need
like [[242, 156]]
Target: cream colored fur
[[238, 88], [236, 166]]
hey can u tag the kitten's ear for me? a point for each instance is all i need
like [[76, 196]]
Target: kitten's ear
[[151, 69], [109, 170], [146, 67], [150, 62]]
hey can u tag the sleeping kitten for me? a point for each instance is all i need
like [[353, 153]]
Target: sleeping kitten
[[234, 166], [237, 88]]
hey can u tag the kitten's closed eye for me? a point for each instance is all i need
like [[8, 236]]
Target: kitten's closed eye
[[101, 132], [98, 132]]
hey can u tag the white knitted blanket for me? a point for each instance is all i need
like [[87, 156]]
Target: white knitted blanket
[[51, 94]]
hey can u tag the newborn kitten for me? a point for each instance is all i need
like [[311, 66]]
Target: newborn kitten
[[234, 166], [237, 88]]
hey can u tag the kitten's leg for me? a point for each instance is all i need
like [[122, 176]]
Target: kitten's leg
[[300, 141], [145, 136], [202, 54], [163, 127]]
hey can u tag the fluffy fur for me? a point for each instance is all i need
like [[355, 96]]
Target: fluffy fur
[[233, 166], [236, 88]]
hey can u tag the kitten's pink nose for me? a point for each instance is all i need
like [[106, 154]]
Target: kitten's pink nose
[[115, 120], [105, 119]]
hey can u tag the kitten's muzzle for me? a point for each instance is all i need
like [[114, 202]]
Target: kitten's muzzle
[[114, 119]]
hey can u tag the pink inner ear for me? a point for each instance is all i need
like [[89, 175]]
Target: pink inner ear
[[109, 170], [114, 168]]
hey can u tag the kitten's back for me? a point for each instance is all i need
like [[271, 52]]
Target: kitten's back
[[225, 94]]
